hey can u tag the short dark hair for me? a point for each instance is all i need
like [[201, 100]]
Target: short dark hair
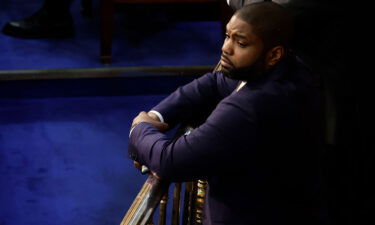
[[272, 22]]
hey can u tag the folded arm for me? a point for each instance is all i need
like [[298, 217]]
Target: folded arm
[[195, 100], [212, 146]]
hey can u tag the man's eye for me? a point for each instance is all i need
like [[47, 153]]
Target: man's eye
[[242, 45], [226, 35]]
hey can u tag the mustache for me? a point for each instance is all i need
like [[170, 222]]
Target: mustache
[[228, 60]]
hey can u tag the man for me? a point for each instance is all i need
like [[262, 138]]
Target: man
[[256, 145]]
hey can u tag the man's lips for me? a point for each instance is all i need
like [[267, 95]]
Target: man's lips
[[226, 63]]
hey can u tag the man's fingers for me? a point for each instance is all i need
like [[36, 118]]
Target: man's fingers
[[143, 113], [137, 165], [145, 117], [140, 167]]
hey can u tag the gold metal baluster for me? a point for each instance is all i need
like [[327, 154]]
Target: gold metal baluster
[[193, 207], [176, 204], [163, 210], [201, 193]]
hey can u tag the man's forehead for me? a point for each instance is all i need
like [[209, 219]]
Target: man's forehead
[[239, 26]]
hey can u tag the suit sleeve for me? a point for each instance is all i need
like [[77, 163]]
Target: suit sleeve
[[227, 132], [196, 99]]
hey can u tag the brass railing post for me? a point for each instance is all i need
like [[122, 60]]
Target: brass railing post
[[201, 193], [163, 210]]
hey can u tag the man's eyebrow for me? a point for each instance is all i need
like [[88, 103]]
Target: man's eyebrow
[[242, 36]]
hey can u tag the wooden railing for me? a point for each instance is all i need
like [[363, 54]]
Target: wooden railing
[[147, 200], [154, 194]]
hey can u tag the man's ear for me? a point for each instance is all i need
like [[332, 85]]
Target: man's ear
[[274, 55]]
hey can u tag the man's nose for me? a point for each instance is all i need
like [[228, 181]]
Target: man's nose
[[227, 47]]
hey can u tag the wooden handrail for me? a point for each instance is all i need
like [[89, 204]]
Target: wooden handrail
[[147, 200]]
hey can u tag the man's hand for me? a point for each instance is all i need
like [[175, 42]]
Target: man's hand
[[137, 165], [144, 169], [151, 119], [153, 116], [141, 168], [154, 120]]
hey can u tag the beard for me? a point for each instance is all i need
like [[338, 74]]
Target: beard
[[248, 73]]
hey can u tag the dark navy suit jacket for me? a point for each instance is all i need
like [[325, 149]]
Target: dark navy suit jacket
[[256, 147]]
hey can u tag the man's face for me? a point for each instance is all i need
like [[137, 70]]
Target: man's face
[[242, 49]]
